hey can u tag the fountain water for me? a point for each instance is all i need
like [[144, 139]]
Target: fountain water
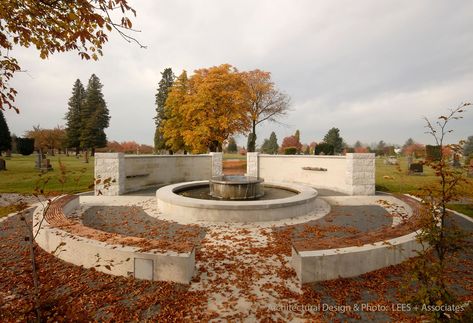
[[236, 187]]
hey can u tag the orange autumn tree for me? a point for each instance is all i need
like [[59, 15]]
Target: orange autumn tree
[[47, 139], [265, 101], [174, 111], [53, 26], [206, 109]]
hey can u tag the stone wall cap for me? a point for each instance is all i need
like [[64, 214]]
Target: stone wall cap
[[166, 156], [360, 155], [369, 246], [305, 156], [167, 194], [109, 155]]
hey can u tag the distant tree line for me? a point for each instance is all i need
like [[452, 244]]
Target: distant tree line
[[128, 147]]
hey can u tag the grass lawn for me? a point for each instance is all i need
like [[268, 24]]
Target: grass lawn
[[466, 209], [389, 179], [5, 210], [21, 175], [234, 156]]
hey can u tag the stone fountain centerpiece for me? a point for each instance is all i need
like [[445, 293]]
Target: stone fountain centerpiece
[[236, 187]]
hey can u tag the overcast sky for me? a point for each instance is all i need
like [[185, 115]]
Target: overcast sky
[[372, 69]]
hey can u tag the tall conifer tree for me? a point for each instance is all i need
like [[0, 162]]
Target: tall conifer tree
[[94, 116], [161, 96], [273, 143], [333, 138], [73, 118], [5, 137]]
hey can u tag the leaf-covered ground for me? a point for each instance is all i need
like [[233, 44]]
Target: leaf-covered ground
[[234, 167], [242, 273]]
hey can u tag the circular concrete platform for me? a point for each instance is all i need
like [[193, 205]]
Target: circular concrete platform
[[176, 207]]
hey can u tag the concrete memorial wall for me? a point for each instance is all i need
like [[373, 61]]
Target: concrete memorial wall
[[129, 173], [353, 174]]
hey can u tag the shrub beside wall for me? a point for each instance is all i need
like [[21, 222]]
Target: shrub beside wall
[[324, 149], [25, 146], [290, 151], [434, 153]]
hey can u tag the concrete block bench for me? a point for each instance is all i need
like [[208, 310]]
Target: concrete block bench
[[352, 261], [110, 253], [318, 265]]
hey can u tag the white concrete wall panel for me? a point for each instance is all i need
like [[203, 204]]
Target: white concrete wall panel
[[318, 265], [111, 259]]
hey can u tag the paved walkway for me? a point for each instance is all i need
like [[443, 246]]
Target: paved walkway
[[244, 272], [244, 269]]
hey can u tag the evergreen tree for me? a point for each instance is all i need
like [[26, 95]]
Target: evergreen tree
[[73, 118], [270, 146], [5, 137], [333, 138], [94, 116], [251, 143], [297, 135], [273, 146], [161, 96], [409, 142], [25, 146], [265, 147], [380, 148], [358, 144], [232, 145]]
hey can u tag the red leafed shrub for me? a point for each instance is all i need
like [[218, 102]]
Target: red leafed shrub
[[417, 149], [290, 141], [361, 150]]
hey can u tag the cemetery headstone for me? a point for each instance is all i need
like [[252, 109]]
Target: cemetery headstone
[[416, 168], [409, 161], [391, 160], [3, 164], [456, 161], [39, 160], [46, 165]]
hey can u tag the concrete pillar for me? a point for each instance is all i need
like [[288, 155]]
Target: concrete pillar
[[110, 167], [217, 164], [360, 174], [252, 164]]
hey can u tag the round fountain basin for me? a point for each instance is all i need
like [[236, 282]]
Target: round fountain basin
[[173, 206], [236, 187]]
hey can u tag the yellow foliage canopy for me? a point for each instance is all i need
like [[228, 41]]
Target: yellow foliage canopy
[[204, 110]]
